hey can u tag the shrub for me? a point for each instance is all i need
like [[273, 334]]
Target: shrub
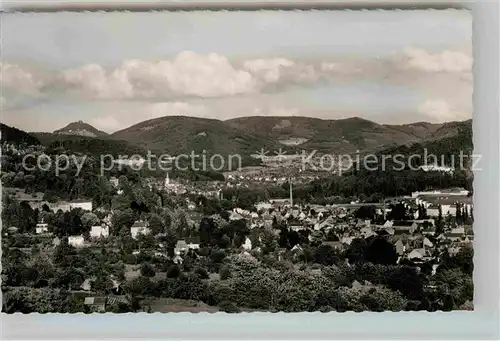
[[229, 307], [173, 271], [202, 273]]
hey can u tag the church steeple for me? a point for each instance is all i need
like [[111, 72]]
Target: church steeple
[[167, 180]]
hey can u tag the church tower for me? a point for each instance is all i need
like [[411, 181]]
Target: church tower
[[167, 181]]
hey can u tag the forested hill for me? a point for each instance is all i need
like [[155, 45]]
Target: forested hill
[[457, 139], [16, 136], [89, 145]]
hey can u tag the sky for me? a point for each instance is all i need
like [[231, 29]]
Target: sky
[[113, 70]]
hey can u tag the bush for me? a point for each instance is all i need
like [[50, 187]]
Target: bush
[[229, 307], [173, 271], [147, 270], [202, 273], [224, 272]]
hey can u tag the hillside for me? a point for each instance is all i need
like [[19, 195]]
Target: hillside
[[344, 135], [447, 141], [16, 136], [89, 145], [80, 129], [180, 134], [419, 130]]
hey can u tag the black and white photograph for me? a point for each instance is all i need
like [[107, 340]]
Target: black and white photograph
[[237, 161]]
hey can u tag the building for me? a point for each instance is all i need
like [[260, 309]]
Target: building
[[99, 231], [139, 227], [62, 205], [181, 247], [443, 192], [96, 304], [247, 245], [193, 243], [42, 227], [76, 241], [85, 205], [114, 181]]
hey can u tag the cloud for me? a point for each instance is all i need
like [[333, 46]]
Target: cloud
[[210, 76], [189, 74], [213, 86], [107, 123], [268, 70], [445, 61], [93, 80], [439, 110], [19, 80]]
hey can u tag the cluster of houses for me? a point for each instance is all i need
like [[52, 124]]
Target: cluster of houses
[[65, 206], [411, 238], [444, 200]]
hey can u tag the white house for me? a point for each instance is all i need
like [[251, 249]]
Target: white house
[[459, 192], [433, 211], [76, 241], [62, 205], [83, 204], [263, 206], [99, 231], [181, 247], [42, 227], [415, 254], [114, 181], [436, 168], [389, 223], [193, 246], [138, 228], [247, 245], [235, 216]]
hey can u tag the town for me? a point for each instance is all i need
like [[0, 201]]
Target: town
[[162, 244]]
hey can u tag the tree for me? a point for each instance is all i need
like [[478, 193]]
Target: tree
[[139, 286], [356, 251], [202, 273], [155, 224], [89, 219], [147, 270], [206, 231], [173, 271], [398, 212], [224, 242], [123, 220], [180, 224], [458, 213], [317, 237], [380, 251], [366, 212], [326, 255], [439, 222], [224, 272], [101, 284], [63, 253], [269, 241]]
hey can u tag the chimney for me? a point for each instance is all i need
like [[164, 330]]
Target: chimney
[[291, 193]]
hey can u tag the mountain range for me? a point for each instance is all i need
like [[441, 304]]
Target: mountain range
[[246, 135]]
